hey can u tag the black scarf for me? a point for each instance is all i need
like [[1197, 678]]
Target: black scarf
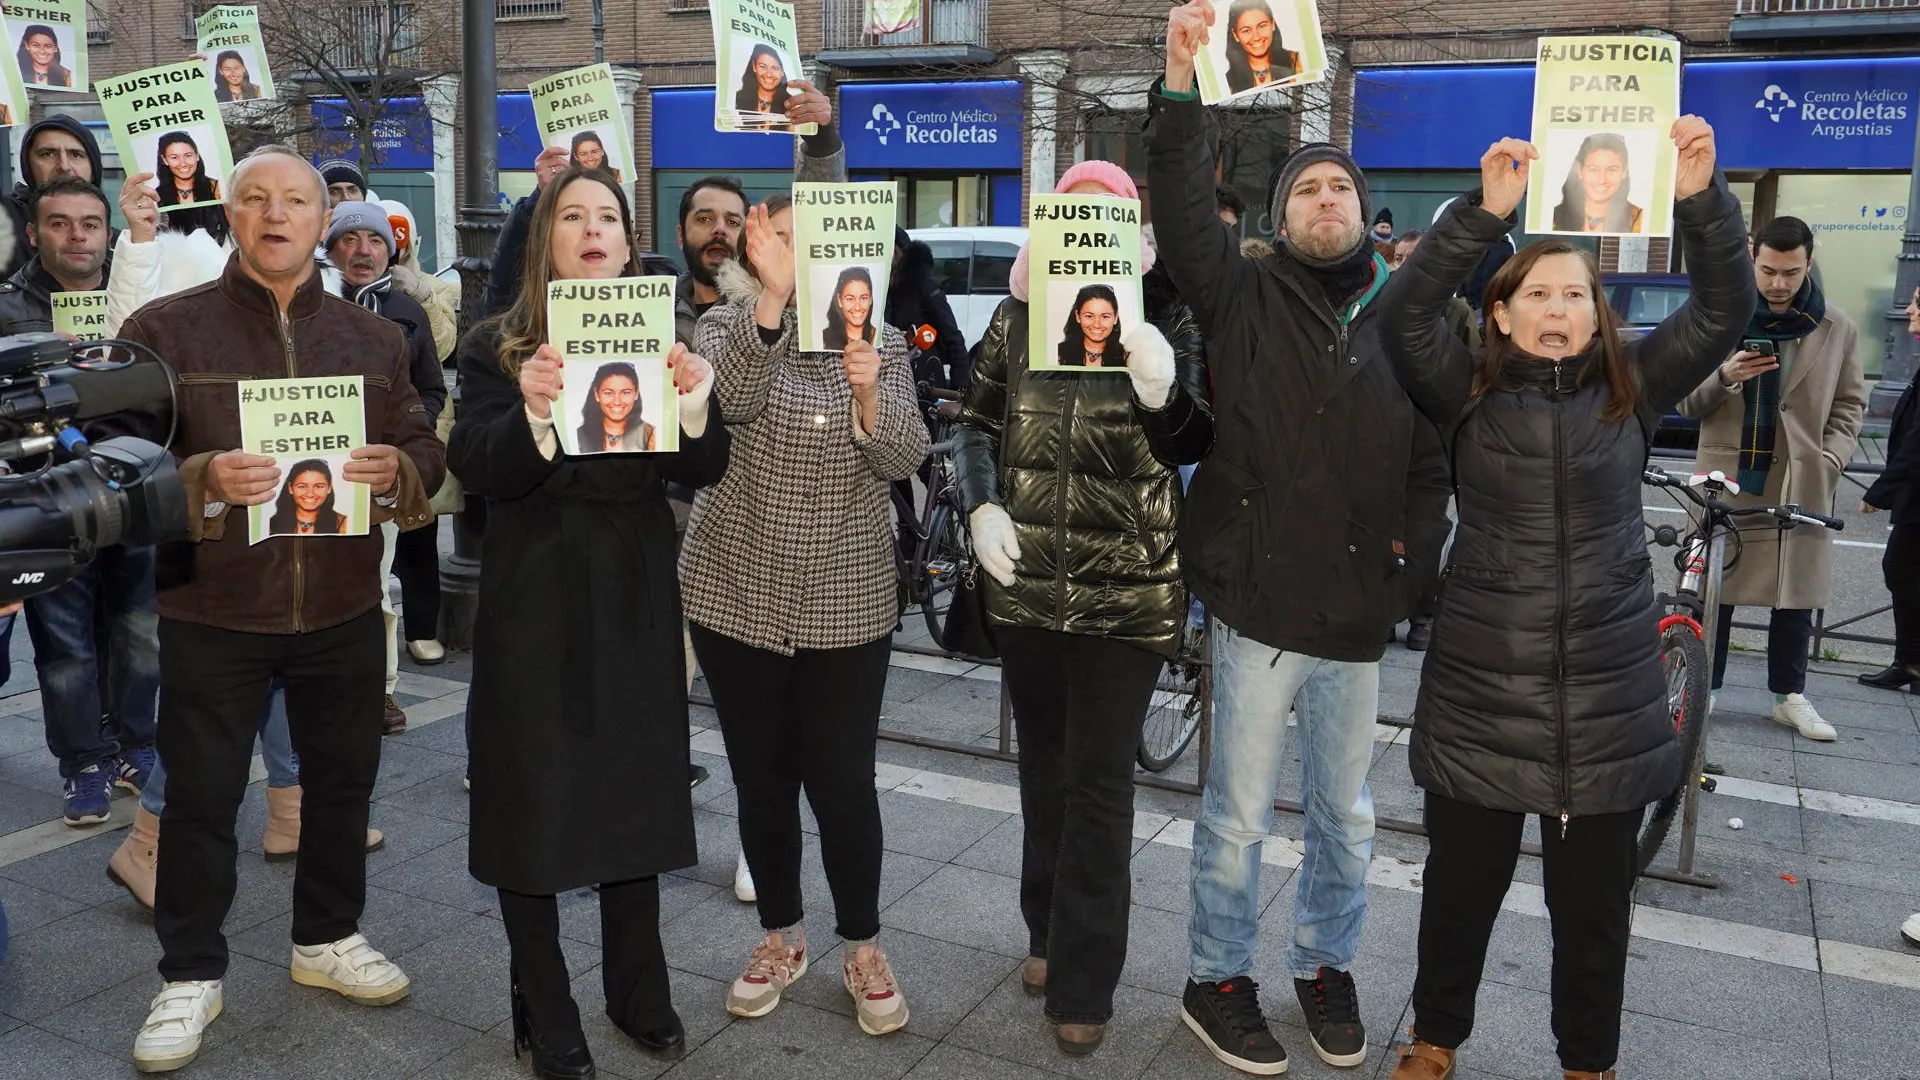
[[1761, 395], [372, 295], [1347, 280]]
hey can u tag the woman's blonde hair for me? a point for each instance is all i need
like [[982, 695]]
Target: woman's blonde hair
[[522, 328]]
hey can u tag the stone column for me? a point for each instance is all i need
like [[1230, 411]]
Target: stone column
[[443, 95], [1043, 72]]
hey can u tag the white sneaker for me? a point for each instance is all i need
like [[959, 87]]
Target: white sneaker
[[1911, 931], [1798, 713], [170, 1039], [426, 652], [351, 968], [743, 881]]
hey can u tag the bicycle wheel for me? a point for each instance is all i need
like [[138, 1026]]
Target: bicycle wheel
[[1181, 703], [1684, 657], [942, 561]]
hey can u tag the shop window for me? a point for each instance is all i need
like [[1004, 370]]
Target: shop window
[[1857, 220]]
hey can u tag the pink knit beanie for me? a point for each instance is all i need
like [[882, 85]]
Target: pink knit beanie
[[1105, 173]]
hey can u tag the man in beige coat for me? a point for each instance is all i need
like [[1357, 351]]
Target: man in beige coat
[[1782, 416]]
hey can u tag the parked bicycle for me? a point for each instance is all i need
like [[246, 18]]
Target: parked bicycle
[[934, 555], [1183, 700], [1688, 627]]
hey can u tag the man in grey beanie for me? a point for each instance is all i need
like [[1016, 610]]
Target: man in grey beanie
[[1310, 524], [360, 245]]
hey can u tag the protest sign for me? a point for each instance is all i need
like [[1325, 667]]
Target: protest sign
[[843, 255], [756, 51], [165, 122], [310, 428], [82, 314], [580, 110], [1083, 267], [49, 39], [613, 336], [1256, 45], [13, 96], [235, 53], [1603, 111]]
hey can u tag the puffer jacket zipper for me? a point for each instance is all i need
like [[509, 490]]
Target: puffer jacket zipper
[[1063, 477], [299, 547], [1562, 552]]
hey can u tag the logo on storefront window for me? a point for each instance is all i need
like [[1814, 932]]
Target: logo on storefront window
[[1775, 101], [883, 123]]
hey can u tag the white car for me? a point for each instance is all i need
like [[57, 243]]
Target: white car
[[971, 266]]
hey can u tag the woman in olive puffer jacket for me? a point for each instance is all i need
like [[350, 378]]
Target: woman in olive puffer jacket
[[1543, 692], [1074, 519]]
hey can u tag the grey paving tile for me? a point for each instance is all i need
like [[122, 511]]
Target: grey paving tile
[[1163, 878], [409, 835], [998, 852], [717, 839], [1822, 685], [715, 937], [796, 1042], [942, 982], [30, 1052], [931, 828], [1861, 840], [1749, 762], [1869, 917], [580, 909], [22, 807], [328, 1037], [441, 876], [1823, 866], [1874, 779], [484, 1057], [28, 907], [253, 993], [1871, 1031], [1520, 952], [1752, 726], [964, 907], [1011, 1025], [77, 871], [949, 1062], [1156, 950], [402, 767], [1391, 928], [1879, 716], [446, 736], [1751, 889], [438, 796], [899, 875], [1706, 990], [463, 976], [1762, 824], [72, 959], [908, 684], [20, 734], [394, 923], [1655, 1046], [974, 699], [1866, 744], [700, 1002], [943, 720]]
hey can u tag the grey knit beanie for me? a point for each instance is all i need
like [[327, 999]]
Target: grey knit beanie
[[1282, 182]]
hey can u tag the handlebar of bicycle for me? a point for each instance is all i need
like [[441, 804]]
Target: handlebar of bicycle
[[930, 392], [1788, 513]]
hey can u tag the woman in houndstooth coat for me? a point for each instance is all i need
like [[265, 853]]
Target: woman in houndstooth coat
[[788, 581]]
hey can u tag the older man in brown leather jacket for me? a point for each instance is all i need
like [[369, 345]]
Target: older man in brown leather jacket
[[304, 610]]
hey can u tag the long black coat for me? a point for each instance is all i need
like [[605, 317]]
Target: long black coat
[[1543, 692], [579, 708]]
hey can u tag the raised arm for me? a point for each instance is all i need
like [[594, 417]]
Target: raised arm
[[899, 440], [1434, 366], [1684, 350]]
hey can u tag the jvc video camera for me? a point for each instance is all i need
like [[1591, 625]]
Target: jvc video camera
[[63, 497]]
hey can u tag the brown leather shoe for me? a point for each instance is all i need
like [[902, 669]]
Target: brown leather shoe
[[1033, 976], [395, 720], [1079, 1040], [1608, 1075], [1423, 1061]]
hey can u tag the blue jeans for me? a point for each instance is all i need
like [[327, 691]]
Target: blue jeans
[[1337, 704], [276, 751], [64, 654]]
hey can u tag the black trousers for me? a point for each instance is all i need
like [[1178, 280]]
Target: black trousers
[[803, 722], [1789, 637], [633, 966], [1901, 567], [416, 562], [1589, 882], [213, 690], [1078, 703]]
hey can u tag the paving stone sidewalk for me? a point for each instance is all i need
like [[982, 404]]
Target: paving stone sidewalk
[[1737, 982]]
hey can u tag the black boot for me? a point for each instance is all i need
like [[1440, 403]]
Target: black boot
[[1894, 678], [549, 1063], [668, 1043]]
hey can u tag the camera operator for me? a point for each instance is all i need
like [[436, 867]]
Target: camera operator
[[303, 610], [68, 230]]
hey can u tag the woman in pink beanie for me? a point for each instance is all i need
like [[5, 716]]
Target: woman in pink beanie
[[1073, 520]]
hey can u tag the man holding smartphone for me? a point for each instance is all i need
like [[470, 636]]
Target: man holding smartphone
[[1781, 416]]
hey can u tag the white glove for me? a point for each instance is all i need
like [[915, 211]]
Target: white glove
[[1149, 365], [693, 407], [994, 544]]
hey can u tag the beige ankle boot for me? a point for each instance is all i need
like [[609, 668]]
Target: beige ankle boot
[[281, 840], [134, 861]]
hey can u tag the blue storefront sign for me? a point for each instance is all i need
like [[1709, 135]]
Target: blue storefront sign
[[402, 134], [683, 136], [1820, 114], [965, 126]]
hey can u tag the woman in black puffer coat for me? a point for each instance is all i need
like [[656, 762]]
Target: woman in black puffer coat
[[1544, 692]]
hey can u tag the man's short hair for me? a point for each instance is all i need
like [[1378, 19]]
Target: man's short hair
[[246, 164], [724, 183], [1225, 198], [1411, 236], [66, 185], [1784, 234]]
